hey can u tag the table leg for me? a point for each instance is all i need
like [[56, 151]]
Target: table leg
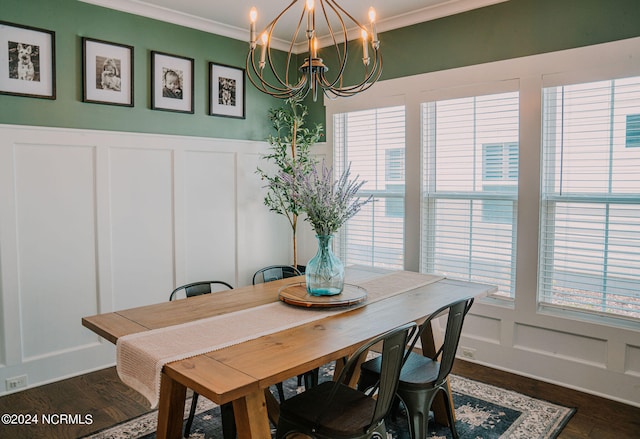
[[438, 404], [252, 420], [170, 408]]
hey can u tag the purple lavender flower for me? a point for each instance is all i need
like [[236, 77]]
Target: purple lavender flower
[[328, 203]]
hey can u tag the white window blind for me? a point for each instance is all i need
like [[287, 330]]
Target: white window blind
[[590, 237], [470, 188], [373, 142]]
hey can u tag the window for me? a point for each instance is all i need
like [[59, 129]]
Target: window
[[373, 142], [590, 249], [470, 181]]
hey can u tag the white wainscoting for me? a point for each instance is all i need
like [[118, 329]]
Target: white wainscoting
[[96, 221]]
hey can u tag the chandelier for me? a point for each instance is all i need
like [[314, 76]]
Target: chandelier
[[278, 77]]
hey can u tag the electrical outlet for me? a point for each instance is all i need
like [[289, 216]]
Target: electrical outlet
[[16, 383], [468, 353]]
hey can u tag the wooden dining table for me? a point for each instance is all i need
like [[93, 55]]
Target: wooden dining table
[[243, 372]]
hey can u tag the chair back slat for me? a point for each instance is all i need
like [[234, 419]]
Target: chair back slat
[[455, 320], [198, 288], [392, 355], [274, 272]]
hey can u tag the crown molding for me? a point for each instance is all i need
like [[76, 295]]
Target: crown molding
[[428, 13], [138, 7], [172, 16]]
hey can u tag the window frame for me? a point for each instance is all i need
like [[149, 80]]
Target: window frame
[[430, 195], [341, 161], [553, 197]]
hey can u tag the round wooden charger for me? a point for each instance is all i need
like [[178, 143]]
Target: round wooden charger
[[296, 294]]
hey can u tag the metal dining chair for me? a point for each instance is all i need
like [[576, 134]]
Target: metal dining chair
[[422, 377], [335, 410], [226, 410]]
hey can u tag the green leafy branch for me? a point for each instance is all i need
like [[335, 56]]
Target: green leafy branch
[[289, 151]]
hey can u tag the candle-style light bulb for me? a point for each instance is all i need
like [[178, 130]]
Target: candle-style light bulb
[[265, 40], [310, 19], [253, 16], [372, 14], [365, 47], [374, 32]]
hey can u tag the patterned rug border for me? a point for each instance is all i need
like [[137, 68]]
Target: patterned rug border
[[543, 419], [540, 419]]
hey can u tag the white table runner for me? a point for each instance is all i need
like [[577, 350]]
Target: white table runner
[[141, 356]]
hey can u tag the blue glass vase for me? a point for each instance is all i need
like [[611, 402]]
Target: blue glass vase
[[325, 272]]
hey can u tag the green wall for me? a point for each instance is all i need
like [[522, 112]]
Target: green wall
[[507, 30], [72, 19], [512, 29]]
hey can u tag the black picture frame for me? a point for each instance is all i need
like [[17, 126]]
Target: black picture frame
[[28, 68], [172, 82], [107, 72], [227, 94]]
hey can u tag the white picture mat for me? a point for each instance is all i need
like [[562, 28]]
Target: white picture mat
[[170, 62], [35, 38], [216, 72], [93, 49]]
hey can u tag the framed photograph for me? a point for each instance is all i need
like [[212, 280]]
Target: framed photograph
[[226, 91], [107, 73], [171, 83], [27, 61]]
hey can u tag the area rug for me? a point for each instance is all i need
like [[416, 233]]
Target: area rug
[[482, 412]]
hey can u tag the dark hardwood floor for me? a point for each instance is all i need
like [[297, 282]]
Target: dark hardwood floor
[[98, 400], [99, 394], [595, 417]]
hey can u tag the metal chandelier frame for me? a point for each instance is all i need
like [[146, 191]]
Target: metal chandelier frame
[[286, 83]]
